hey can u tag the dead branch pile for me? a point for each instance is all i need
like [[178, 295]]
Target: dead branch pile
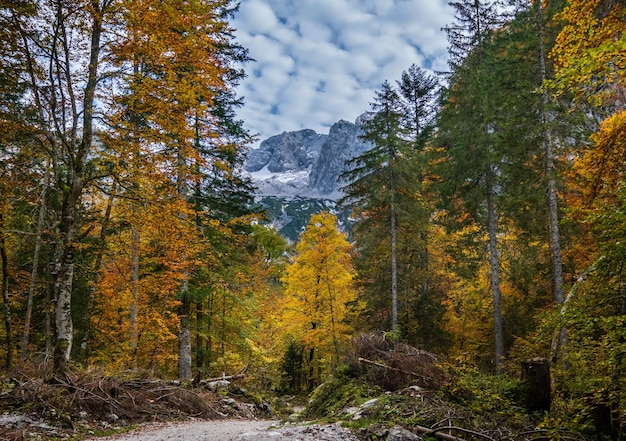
[[393, 365], [73, 402], [107, 398]]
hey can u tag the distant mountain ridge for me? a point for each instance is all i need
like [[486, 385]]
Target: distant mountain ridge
[[304, 163], [297, 174]]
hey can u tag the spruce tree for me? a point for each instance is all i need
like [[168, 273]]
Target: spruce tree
[[418, 92], [375, 177], [468, 125]]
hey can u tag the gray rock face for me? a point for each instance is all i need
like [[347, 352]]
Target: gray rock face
[[305, 163], [297, 174], [289, 151], [343, 143]]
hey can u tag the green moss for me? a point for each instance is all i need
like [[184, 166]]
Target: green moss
[[337, 394]]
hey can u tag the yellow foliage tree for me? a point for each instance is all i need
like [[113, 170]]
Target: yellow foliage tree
[[320, 293], [590, 52]]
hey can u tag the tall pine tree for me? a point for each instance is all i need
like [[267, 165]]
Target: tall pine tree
[[468, 126]]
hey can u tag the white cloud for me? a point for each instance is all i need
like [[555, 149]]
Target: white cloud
[[319, 61]]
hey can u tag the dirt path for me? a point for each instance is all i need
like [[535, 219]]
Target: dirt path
[[222, 430], [233, 430]]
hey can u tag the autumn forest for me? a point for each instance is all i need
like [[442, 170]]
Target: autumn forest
[[488, 219]]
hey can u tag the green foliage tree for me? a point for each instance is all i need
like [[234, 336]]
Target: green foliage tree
[[292, 367], [388, 193], [480, 129], [375, 179]]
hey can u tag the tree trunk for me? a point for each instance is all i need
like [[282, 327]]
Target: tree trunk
[[64, 282], [134, 289], [331, 304], [63, 307], [49, 309], [553, 207], [96, 271], [536, 384], [424, 261], [5, 295], [34, 272], [184, 337], [492, 221], [200, 340], [74, 183], [394, 261]]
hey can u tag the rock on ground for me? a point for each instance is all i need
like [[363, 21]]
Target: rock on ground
[[397, 433], [315, 432]]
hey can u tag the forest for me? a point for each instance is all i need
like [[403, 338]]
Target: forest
[[487, 220]]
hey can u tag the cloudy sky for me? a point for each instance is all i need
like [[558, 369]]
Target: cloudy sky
[[319, 61]]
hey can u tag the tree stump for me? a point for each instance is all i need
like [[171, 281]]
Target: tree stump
[[536, 384]]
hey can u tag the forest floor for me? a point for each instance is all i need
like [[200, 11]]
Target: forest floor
[[385, 390], [93, 405]]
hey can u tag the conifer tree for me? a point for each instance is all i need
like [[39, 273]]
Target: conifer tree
[[418, 92], [385, 187], [376, 177], [473, 156]]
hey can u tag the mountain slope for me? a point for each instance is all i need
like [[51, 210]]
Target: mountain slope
[[297, 173]]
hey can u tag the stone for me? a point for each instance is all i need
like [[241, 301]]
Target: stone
[[398, 433], [218, 384]]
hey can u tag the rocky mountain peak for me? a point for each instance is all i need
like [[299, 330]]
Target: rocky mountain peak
[[343, 144], [304, 163], [289, 151]]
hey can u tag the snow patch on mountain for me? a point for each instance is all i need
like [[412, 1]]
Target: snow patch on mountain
[[304, 163]]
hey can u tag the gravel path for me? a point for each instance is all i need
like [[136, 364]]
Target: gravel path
[[233, 430], [221, 430]]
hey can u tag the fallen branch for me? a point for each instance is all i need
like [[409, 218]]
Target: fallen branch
[[225, 377], [391, 368], [545, 435], [444, 436], [75, 388]]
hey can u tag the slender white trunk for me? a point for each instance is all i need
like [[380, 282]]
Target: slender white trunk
[[75, 179], [5, 295], [548, 143], [63, 305], [33, 274], [492, 226], [184, 311], [134, 289]]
